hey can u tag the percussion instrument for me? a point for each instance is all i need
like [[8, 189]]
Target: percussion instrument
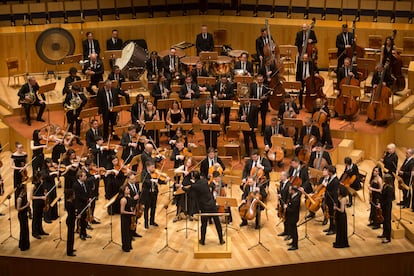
[[132, 61], [237, 53], [222, 65], [189, 62]]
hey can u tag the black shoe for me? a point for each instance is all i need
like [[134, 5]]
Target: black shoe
[[376, 227], [44, 234], [330, 233], [1, 214], [37, 237], [293, 248], [288, 237], [79, 142], [154, 224], [222, 241], [40, 120], [71, 254], [82, 237], [88, 236], [89, 227], [400, 203], [48, 221], [28, 123], [309, 216], [137, 235], [325, 222], [380, 236], [282, 234], [244, 223], [96, 222], [349, 205], [386, 241], [201, 242], [126, 250], [146, 226], [290, 244], [371, 224], [326, 230]]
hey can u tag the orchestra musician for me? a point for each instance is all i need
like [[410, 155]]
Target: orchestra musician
[[248, 113], [154, 66], [351, 171], [341, 239], [209, 113], [73, 104], [253, 187], [305, 69], [137, 109], [189, 207], [321, 107], [91, 134], [307, 129], [37, 148], [189, 91], [204, 41], [331, 198], [387, 197], [390, 160], [90, 46], [92, 184], [388, 51], [113, 180], [18, 165], [206, 203], [317, 157], [150, 113], [212, 160], [81, 201], [405, 172], [127, 214], [28, 96], [134, 193], [175, 116], [345, 70], [344, 41], [161, 90], [113, 43], [245, 65], [256, 161], [69, 79], [38, 202], [23, 209], [292, 207], [379, 70], [322, 182], [301, 36], [120, 78], [179, 155], [259, 91], [49, 173], [106, 99], [275, 129], [101, 153], [198, 71], [298, 171], [70, 222], [146, 155], [288, 107], [268, 70], [172, 67], [283, 197], [218, 189], [130, 145], [72, 163], [224, 90], [94, 69], [375, 189], [261, 41], [62, 140]]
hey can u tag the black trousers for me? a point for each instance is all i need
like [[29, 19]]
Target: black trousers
[[188, 114], [386, 212], [326, 135], [264, 107], [37, 228], [42, 107], [204, 221], [126, 95], [293, 231], [71, 237], [108, 118], [149, 207], [247, 136], [73, 118], [226, 111], [82, 224], [406, 198], [210, 138]]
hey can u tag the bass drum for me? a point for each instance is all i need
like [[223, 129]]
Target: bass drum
[[132, 61]]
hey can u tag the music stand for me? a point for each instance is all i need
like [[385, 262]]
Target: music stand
[[243, 79], [54, 202], [166, 246], [186, 228], [354, 193], [154, 125], [306, 230], [112, 54], [230, 180], [206, 56], [128, 85], [164, 104], [184, 126], [354, 92], [224, 103], [283, 142], [43, 89], [314, 173], [259, 242], [190, 104], [366, 65], [227, 202], [88, 113], [206, 80], [120, 130], [114, 84], [293, 86], [81, 83], [8, 196], [293, 122], [109, 204], [253, 101], [72, 59], [239, 126]]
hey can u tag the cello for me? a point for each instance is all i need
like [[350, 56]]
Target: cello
[[248, 209], [379, 108], [320, 117]]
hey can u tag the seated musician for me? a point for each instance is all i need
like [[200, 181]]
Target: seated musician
[[198, 71], [94, 69], [189, 91], [298, 175], [256, 163], [259, 91], [218, 188], [137, 108], [321, 108], [149, 114], [175, 116], [28, 96], [318, 158], [130, 145], [345, 71], [161, 90], [350, 177], [119, 77], [248, 113], [283, 196], [379, 71], [252, 188], [209, 113], [268, 70], [154, 66], [92, 133], [212, 160], [73, 104], [275, 128], [305, 69], [69, 79], [224, 90], [244, 65], [172, 67], [322, 183], [308, 130], [288, 108]]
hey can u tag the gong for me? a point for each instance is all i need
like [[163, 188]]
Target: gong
[[54, 44]]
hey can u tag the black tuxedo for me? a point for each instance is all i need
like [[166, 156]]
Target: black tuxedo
[[311, 70], [149, 197], [264, 103], [343, 73], [303, 175], [283, 108], [157, 91], [73, 115], [206, 164], [177, 67], [283, 198], [299, 40], [260, 43], [22, 92], [313, 156], [128, 152], [68, 81], [248, 66], [204, 44], [269, 132], [331, 198], [406, 168], [390, 162], [314, 131], [136, 111], [87, 50], [81, 201], [249, 164], [108, 116], [196, 73], [251, 113], [90, 137], [121, 79], [342, 40], [202, 115], [189, 112], [292, 217], [154, 68], [111, 45], [98, 68], [227, 90]]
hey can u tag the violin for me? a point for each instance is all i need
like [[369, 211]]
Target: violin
[[215, 168], [98, 171], [157, 174]]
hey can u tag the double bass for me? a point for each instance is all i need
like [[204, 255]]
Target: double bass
[[379, 108], [314, 90], [310, 48]]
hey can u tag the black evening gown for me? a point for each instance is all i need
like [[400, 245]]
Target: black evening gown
[[341, 230], [24, 242], [125, 226]]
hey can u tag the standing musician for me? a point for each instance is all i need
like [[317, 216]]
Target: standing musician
[[344, 41], [172, 67], [161, 90], [49, 174], [245, 65], [149, 114], [206, 203], [92, 184], [204, 41], [62, 141], [189, 91], [28, 96], [390, 161], [130, 144], [345, 70], [209, 113], [198, 71], [252, 189], [387, 197], [212, 160], [69, 79], [224, 90], [405, 172], [257, 164], [321, 109], [306, 68], [375, 189], [81, 201], [107, 98], [147, 155], [300, 40], [341, 239], [288, 108], [261, 42], [292, 216], [320, 191], [113, 43], [127, 214], [19, 167], [350, 177], [331, 198], [248, 113], [70, 222], [154, 66], [38, 202], [37, 147], [260, 91], [90, 46], [298, 175], [23, 209], [283, 197], [189, 207], [388, 51], [92, 133], [72, 163], [114, 179], [137, 109], [73, 104], [120, 78], [94, 69], [318, 158], [101, 153], [308, 130], [218, 189], [135, 197]]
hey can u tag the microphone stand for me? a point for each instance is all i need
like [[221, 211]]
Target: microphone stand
[[60, 226], [166, 246], [110, 228], [353, 221], [10, 224], [186, 228], [306, 230], [259, 242], [400, 217]]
